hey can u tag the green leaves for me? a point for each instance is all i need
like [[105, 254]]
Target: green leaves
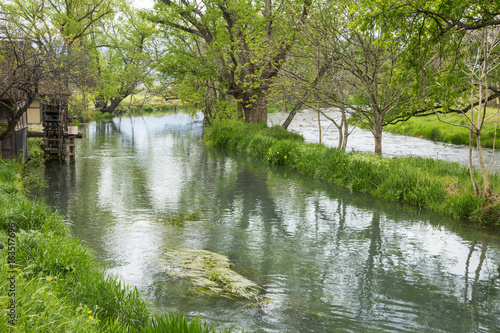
[[127, 55], [235, 47]]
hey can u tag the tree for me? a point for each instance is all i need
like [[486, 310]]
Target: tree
[[310, 79], [35, 61], [364, 67], [482, 61], [188, 71], [21, 72], [315, 78], [45, 49], [75, 19], [245, 43], [125, 59], [453, 49]]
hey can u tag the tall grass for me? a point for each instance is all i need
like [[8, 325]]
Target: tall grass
[[432, 129], [58, 285], [434, 184], [175, 323]]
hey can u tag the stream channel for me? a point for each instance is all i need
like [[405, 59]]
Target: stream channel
[[327, 260]]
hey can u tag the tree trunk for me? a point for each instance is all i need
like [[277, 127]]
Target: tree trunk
[[256, 111], [487, 189], [471, 167], [341, 136], [377, 132], [16, 112], [112, 106], [292, 114], [319, 125], [345, 131], [100, 103]]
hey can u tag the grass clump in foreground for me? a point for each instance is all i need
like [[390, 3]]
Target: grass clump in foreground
[[438, 185], [50, 282]]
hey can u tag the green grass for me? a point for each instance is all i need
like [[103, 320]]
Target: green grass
[[58, 285], [36, 147], [175, 323], [151, 110], [279, 107], [91, 114], [432, 129], [441, 186]]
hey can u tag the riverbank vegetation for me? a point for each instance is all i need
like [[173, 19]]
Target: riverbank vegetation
[[437, 185], [380, 62], [432, 128], [50, 282], [90, 115]]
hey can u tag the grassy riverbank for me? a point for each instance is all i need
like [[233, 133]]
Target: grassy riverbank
[[90, 114], [50, 282], [432, 129], [437, 185]]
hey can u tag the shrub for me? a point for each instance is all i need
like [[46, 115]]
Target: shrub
[[435, 134], [147, 109]]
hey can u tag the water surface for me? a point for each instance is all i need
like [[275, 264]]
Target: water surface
[[327, 259]]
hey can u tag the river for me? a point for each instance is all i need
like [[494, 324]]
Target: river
[[327, 260]]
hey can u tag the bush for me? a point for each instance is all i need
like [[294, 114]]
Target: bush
[[147, 109], [435, 134]]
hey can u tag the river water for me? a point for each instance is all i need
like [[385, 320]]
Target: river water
[[328, 260]]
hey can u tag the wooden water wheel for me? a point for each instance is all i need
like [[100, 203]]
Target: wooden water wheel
[[55, 125]]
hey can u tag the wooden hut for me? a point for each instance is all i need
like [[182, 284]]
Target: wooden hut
[[17, 144], [47, 93], [11, 76]]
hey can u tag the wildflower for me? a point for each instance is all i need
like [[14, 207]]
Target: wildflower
[[48, 278], [285, 156], [277, 152], [90, 311]]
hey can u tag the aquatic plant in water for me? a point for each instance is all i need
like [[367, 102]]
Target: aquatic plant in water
[[210, 273]]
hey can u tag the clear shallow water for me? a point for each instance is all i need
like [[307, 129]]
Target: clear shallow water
[[327, 259]]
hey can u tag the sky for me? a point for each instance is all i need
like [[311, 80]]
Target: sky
[[143, 3]]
